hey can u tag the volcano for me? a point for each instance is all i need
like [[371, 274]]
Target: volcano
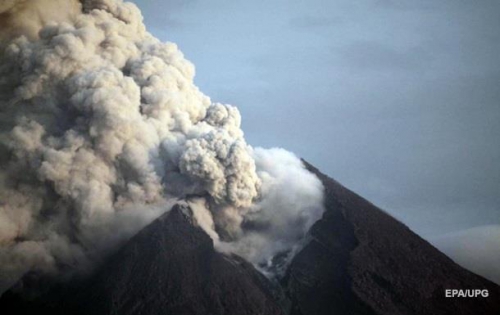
[[357, 260], [124, 189]]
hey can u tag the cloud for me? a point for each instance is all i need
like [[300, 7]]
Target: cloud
[[26, 17], [104, 129], [477, 249]]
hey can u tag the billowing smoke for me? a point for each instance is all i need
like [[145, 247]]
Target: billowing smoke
[[102, 129], [27, 17]]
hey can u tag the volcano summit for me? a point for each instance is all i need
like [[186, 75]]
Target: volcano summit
[[356, 260]]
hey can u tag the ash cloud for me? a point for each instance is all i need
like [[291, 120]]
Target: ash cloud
[[102, 130], [26, 17]]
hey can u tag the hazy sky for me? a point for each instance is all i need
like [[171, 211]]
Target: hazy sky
[[397, 100]]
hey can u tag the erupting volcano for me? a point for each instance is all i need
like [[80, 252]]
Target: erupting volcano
[[122, 184]]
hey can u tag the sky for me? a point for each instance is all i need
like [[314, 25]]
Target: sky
[[397, 100]]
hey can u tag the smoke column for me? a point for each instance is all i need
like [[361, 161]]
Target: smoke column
[[102, 129]]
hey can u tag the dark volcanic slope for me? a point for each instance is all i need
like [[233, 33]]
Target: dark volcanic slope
[[363, 261], [359, 260], [170, 267]]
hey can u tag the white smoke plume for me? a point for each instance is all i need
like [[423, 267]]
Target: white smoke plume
[[274, 226], [102, 129]]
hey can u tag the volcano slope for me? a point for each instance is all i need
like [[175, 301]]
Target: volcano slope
[[356, 260], [170, 267], [360, 260]]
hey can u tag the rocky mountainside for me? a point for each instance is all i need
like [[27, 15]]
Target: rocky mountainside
[[170, 267], [362, 261], [358, 260]]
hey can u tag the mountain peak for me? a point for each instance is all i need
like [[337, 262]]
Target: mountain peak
[[169, 267], [358, 261]]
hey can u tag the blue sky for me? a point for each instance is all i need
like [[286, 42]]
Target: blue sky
[[397, 100]]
